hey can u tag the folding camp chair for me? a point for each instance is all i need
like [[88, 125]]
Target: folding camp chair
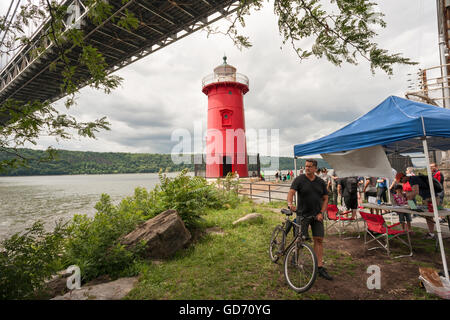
[[380, 232], [336, 219]]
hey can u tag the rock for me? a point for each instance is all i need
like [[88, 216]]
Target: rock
[[163, 235], [215, 230], [249, 217], [113, 290], [57, 285]]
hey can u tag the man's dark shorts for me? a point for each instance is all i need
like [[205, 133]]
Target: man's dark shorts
[[316, 226], [351, 202]]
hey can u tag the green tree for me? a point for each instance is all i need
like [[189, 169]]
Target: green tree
[[342, 31]]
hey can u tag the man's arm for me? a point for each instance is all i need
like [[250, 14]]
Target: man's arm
[[319, 216], [324, 203], [365, 186], [290, 199], [392, 184]]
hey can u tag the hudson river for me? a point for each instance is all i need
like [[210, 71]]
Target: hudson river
[[23, 200]]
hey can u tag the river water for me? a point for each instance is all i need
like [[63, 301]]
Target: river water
[[24, 200]]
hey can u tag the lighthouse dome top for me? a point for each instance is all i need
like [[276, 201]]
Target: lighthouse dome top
[[225, 70], [225, 73]]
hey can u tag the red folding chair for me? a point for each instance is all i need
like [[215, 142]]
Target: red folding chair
[[336, 219], [380, 232]]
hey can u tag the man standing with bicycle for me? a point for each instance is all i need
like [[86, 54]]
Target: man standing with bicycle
[[312, 199]]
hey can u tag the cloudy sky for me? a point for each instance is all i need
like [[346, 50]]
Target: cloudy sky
[[304, 100]]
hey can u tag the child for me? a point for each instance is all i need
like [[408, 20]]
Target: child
[[400, 199]]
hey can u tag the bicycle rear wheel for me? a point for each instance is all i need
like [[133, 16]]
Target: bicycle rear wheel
[[300, 267], [277, 243]]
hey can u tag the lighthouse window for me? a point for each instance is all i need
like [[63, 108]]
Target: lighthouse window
[[226, 117]]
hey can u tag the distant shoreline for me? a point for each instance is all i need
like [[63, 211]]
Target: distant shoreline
[[83, 174], [92, 163]]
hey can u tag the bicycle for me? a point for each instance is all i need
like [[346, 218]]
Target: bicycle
[[300, 261]]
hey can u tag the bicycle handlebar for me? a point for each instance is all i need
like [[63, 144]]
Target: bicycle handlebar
[[287, 212]]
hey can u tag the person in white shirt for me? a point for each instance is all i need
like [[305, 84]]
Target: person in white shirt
[[410, 172]]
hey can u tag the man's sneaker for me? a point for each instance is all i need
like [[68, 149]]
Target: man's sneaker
[[429, 236], [324, 274]]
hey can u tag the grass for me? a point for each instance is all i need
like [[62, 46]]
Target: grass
[[236, 265]]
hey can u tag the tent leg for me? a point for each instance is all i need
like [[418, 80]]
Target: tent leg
[[295, 165], [388, 183], [435, 209]]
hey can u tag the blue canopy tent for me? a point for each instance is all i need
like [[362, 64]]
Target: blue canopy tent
[[400, 126], [397, 124]]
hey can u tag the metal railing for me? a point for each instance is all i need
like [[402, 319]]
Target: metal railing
[[269, 191], [22, 57], [225, 77]]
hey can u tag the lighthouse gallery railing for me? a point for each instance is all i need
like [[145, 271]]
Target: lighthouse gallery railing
[[224, 77]]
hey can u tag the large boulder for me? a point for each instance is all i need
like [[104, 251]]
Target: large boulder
[[163, 235]]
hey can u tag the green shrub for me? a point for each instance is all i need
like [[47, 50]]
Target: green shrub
[[93, 243], [27, 259], [191, 196], [146, 204]]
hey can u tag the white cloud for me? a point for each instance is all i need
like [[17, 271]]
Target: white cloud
[[305, 100]]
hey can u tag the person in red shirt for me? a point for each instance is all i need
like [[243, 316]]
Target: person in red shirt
[[437, 174], [400, 200]]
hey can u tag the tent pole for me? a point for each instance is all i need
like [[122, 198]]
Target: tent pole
[[389, 197], [435, 208], [295, 165]]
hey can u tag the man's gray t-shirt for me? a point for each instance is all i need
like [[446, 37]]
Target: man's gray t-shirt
[[309, 194]]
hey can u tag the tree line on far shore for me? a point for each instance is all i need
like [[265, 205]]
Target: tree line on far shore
[[86, 162]]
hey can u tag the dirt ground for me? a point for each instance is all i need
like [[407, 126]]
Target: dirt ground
[[348, 261]]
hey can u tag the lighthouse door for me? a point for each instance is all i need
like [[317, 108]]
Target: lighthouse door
[[226, 166]]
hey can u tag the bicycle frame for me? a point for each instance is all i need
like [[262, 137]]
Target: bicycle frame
[[298, 237]]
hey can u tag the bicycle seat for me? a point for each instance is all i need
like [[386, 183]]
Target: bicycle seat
[[287, 212]]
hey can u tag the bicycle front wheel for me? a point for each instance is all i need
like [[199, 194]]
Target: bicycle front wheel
[[300, 267], [276, 246]]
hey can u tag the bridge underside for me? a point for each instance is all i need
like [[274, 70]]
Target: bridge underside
[[28, 78]]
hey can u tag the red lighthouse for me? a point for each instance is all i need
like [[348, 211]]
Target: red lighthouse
[[226, 148]]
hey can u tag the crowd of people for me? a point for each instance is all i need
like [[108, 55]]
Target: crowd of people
[[350, 192], [316, 188], [280, 176], [408, 186]]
